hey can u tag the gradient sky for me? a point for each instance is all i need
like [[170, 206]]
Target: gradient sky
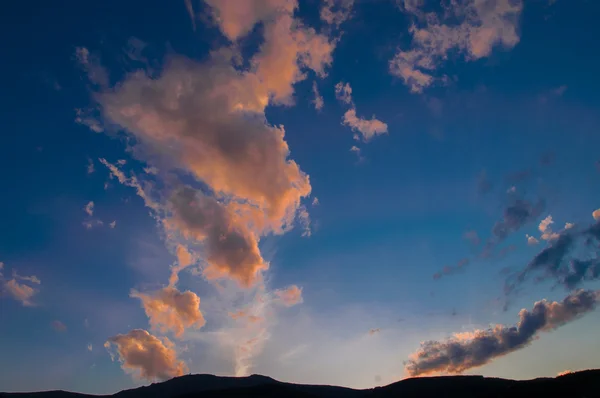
[[149, 198]]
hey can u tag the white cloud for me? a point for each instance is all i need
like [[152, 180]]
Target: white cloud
[[89, 208]]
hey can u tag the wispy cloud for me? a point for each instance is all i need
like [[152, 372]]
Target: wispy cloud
[[336, 12], [58, 326], [368, 128], [318, 100], [470, 27]]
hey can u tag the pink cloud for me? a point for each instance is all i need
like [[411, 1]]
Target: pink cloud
[[289, 296], [147, 356]]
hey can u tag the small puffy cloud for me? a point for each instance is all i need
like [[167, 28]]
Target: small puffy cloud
[[304, 220], [318, 101], [315, 201], [147, 356], [90, 347], [89, 208], [546, 229], [512, 189], [374, 331], [343, 92], [335, 12], [356, 150], [289, 296], [471, 28], [531, 240], [58, 326], [465, 351], [569, 225], [112, 224], [171, 310], [596, 215], [369, 128]]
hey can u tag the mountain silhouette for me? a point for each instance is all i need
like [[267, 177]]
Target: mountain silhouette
[[583, 384]]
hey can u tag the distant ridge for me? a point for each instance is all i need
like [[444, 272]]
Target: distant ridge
[[583, 384]]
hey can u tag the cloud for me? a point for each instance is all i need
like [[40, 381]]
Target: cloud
[[171, 310], [336, 12], [318, 101], [471, 28], [236, 19], [89, 208], [569, 225], [564, 373], [231, 248], [484, 185], [449, 270], [147, 356], [556, 261], [315, 201], [289, 296], [469, 350], [90, 63], [472, 237], [369, 128], [546, 229], [89, 347], [517, 214], [190, 10], [343, 92], [19, 291], [358, 153], [58, 326], [531, 240], [16, 290], [304, 220], [90, 166], [596, 215], [112, 224], [89, 224], [374, 331]]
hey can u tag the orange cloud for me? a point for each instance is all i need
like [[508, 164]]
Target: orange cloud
[[335, 12], [19, 291], [58, 326], [473, 28], [289, 296], [184, 260], [171, 310], [231, 248], [237, 18], [596, 215], [369, 128], [149, 357]]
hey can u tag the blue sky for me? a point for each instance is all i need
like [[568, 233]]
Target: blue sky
[[150, 198]]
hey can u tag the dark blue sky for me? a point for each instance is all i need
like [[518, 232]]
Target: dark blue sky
[[494, 124]]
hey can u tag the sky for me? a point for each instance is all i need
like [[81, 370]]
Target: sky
[[343, 192]]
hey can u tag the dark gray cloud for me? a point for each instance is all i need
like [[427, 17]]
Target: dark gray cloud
[[516, 215], [557, 260], [465, 351], [484, 185], [449, 270]]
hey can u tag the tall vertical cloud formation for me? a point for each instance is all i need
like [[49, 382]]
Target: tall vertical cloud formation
[[470, 27], [147, 356], [465, 351], [171, 310]]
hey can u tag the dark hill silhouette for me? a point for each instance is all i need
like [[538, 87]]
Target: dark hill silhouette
[[584, 384]]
